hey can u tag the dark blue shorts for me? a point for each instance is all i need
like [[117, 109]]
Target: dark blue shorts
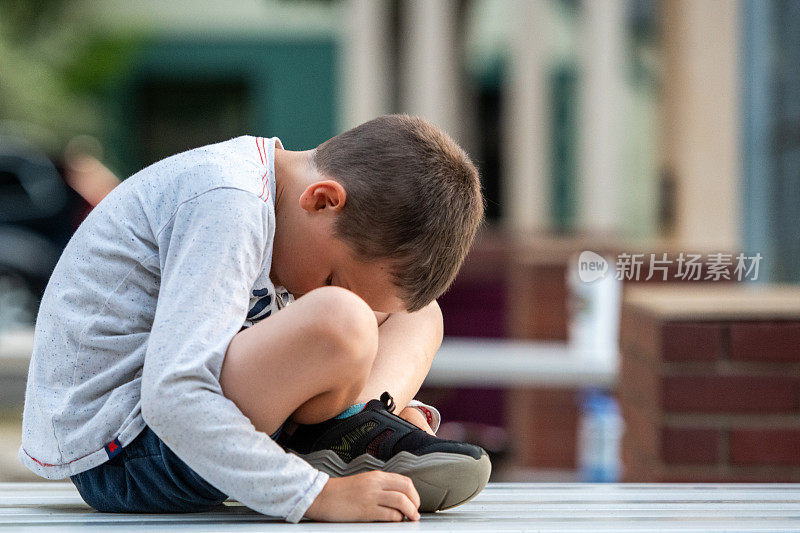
[[146, 477]]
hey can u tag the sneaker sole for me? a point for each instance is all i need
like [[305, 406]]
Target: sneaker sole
[[443, 480]]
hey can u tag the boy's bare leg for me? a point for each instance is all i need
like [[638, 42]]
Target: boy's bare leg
[[311, 360], [322, 349], [407, 343]]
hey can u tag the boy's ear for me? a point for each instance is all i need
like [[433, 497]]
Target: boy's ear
[[323, 194]]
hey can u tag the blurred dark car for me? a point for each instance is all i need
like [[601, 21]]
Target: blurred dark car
[[36, 213]]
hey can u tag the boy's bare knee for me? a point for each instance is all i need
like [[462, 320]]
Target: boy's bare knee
[[344, 320]]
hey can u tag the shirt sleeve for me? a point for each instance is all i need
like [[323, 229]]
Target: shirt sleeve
[[211, 252]]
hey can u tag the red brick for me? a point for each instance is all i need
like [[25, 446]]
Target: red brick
[[644, 336], [638, 467], [537, 302], [766, 446], [691, 341], [639, 381], [690, 445], [639, 471], [765, 341], [641, 434], [715, 474], [546, 422], [735, 394], [639, 333]]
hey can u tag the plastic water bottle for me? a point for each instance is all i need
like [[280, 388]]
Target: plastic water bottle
[[599, 435]]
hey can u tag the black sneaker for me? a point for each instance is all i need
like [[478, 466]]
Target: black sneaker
[[446, 473]]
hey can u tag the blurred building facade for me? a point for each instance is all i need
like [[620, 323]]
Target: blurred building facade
[[613, 118], [613, 125]]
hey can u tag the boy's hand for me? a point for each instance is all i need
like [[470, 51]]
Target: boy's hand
[[374, 496], [415, 417]]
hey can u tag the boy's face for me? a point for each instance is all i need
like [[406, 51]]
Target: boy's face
[[312, 257]]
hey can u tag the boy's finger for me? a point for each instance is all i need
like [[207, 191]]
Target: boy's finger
[[401, 502], [403, 484], [389, 514]]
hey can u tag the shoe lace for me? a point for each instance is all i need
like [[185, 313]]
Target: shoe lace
[[387, 401]]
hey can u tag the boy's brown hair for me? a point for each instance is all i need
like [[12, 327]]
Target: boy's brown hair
[[413, 197]]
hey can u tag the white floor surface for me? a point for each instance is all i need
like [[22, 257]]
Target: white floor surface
[[500, 507]]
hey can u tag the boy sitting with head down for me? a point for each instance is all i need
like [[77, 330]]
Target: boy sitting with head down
[[163, 374]]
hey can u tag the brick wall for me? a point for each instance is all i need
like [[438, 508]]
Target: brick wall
[[475, 306], [710, 384], [546, 420], [543, 421]]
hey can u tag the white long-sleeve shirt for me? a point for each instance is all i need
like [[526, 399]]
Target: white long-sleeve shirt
[[138, 314]]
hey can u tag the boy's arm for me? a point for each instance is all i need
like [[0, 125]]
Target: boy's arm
[[407, 343], [211, 252]]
